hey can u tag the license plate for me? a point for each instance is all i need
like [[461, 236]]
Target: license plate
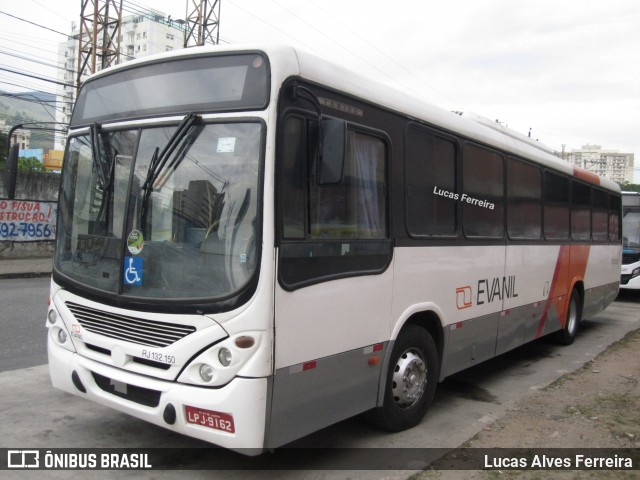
[[210, 419]]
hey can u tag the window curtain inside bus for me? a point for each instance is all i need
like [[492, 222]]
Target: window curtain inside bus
[[368, 155]]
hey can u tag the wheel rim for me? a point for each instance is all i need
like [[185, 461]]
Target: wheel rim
[[409, 379]]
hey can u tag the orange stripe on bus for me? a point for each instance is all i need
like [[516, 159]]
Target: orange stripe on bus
[[586, 175], [570, 268]]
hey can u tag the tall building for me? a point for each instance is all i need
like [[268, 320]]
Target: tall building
[[611, 164], [141, 35]]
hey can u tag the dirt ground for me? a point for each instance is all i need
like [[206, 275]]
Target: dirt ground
[[597, 406]]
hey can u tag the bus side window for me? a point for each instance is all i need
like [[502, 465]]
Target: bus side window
[[614, 218], [292, 175], [524, 194], [335, 230], [580, 211], [599, 215], [356, 207], [431, 184], [556, 206], [482, 193]]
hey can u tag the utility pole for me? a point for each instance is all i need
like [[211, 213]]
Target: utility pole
[[100, 22], [203, 23]]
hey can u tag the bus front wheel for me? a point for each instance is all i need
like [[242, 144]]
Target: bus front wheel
[[411, 381]]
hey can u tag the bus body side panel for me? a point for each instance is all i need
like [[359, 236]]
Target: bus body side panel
[[534, 268], [459, 280], [325, 335], [601, 278], [318, 393]]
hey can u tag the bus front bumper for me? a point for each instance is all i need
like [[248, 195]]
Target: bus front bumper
[[630, 278], [232, 416]]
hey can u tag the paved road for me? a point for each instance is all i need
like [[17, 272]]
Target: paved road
[[23, 309], [33, 414]]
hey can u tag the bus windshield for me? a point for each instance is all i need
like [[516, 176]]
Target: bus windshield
[[183, 226], [631, 228]]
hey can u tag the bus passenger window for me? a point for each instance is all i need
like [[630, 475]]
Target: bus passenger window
[[356, 207], [614, 218], [580, 211], [556, 207], [599, 215], [482, 193], [431, 184], [524, 194]]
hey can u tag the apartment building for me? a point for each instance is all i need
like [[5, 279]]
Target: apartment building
[[140, 35], [608, 163]]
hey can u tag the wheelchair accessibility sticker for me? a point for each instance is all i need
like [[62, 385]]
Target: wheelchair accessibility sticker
[[133, 271]]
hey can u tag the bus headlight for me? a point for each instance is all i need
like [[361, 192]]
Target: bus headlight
[[635, 273], [62, 336], [221, 362], [58, 332], [206, 372], [224, 355]]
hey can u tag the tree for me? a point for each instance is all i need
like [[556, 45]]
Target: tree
[[630, 187], [31, 164]]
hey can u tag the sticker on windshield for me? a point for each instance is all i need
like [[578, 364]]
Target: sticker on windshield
[[135, 242], [226, 145], [133, 271]]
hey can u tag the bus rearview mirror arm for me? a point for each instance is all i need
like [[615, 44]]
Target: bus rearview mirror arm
[[332, 140]]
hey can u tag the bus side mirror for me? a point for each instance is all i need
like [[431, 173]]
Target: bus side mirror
[[332, 151]]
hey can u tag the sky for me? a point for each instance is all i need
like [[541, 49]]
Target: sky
[[568, 71]]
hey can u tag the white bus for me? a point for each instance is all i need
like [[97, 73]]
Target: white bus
[[256, 243], [630, 278]]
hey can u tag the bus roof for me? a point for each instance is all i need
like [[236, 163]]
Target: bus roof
[[288, 61]]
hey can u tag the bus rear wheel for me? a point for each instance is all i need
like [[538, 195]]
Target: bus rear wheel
[[567, 335], [411, 381]]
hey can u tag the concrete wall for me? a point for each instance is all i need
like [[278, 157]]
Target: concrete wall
[[30, 186]]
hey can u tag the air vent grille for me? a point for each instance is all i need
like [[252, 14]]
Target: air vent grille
[[131, 329]]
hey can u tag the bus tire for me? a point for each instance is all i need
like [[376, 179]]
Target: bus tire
[[411, 381], [567, 335]]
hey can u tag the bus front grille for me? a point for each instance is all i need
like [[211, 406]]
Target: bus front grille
[[628, 258], [131, 329]]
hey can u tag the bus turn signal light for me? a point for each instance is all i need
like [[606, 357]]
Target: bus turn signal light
[[245, 342]]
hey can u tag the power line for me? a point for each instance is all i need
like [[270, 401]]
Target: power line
[[34, 61], [33, 23], [37, 77]]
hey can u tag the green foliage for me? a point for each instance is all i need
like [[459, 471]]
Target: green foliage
[[630, 187], [31, 164]]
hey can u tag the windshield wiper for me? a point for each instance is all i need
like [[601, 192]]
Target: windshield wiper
[[104, 167], [103, 163], [159, 160]]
